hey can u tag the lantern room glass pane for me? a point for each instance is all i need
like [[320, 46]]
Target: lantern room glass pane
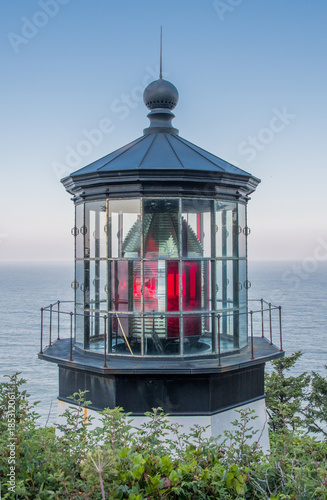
[[242, 282], [225, 325], [155, 335], [86, 285], [242, 230], [196, 228], [95, 229], [192, 285], [98, 285], [79, 225], [228, 233], [173, 285], [155, 285], [224, 284], [228, 284], [207, 286], [126, 285], [161, 335], [197, 332], [227, 321], [122, 335], [125, 228], [79, 327], [226, 229], [218, 231], [161, 228], [173, 327], [155, 328], [243, 327], [96, 327], [79, 283], [192, 326], [219, 284], [197, 285], [150, 295]]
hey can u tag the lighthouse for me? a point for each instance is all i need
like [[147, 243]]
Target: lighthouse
[[161, 315]]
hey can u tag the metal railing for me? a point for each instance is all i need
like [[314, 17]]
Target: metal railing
[[270, 310], [51, 309], [262, 315]]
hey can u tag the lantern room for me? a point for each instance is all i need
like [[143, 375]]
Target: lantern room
[[164, 257], [162, 269], [160, 315]]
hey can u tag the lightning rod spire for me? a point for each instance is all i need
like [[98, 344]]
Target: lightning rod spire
[[160, 76]]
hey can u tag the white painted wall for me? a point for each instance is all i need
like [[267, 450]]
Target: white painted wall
[[217, 423]]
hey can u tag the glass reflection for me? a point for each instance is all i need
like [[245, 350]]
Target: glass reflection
[[98, 281], [243, 327], [122, 276], [161, 233], [226, 229], [242, 230], [225, 282], [157, 343], [126, 228], [79, 224], [120, 330], [79, 327], [79, 297], [95, 229], [196, 228], [242, 283]]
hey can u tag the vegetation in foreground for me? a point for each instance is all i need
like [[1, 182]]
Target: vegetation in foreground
[[121, 462]]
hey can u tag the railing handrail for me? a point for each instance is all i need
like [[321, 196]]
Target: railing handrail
[[224, 312], [105, 317], [58, 302], [262, 300]]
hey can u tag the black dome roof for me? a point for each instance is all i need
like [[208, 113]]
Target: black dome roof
[[160, 94]]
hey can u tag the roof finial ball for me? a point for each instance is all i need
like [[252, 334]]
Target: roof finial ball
[[160, 97], [160, 94]]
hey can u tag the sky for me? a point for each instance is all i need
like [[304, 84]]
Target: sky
[[251, 76]]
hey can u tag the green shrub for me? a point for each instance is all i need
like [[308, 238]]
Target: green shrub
[[117, 461]]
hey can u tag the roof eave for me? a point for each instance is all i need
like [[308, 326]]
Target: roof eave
[[147, 183]]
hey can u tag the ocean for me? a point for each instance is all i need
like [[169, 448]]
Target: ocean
[[299, 287]]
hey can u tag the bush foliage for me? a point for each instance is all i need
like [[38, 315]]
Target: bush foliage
[[158, 460]]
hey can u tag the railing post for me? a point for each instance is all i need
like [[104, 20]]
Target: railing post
[[219, 363], [50, 326], [280, 327], [58, 319], [252, 351], [262, 327], [41, 351], [270, 324], [71, 337], [105, 342]]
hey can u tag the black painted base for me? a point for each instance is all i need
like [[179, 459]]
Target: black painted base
[[176, 394]]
